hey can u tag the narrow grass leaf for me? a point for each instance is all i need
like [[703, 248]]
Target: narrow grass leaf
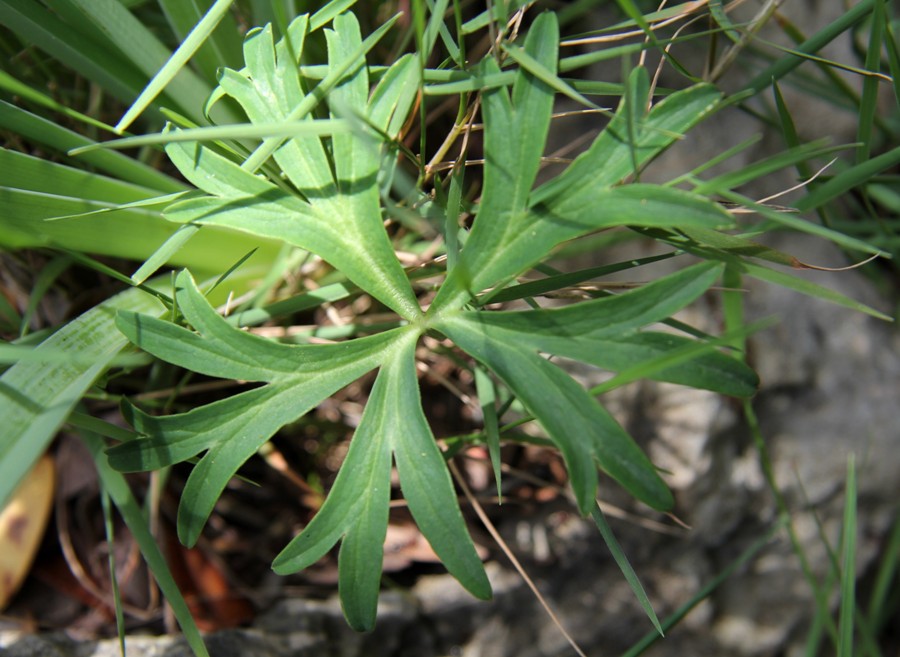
[[787, 63], [487, 400], [736, 245], [36, 398], [176, 62], [609, 159], [42, 283], [858, 174], [111, 560], [27, 172], [848, 564], [237, 131], [893, 53], [670, 358], [497, 11], [37, 25], [792, 221], [545, 75], [327, 13], [607, 317], [105, 228], [48, 133], [296, 304], [879, 608], [674, 359], [100, 427], [394, 95], [165, 253], [625, 566], [717, 11], [221, 48], [23, 91], [138, 45], [790, 157], [115, 485], [808, 288], [480, 79], [707, 590], [869, 97], [555, 282]]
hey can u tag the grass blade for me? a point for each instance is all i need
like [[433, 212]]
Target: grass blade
[[845, 181], [488, 403], [115, 485], [707, 590], [848, 565], [624, 565], [809, 288], [48, 133], [175, 63], [814, 44], [36, 398]]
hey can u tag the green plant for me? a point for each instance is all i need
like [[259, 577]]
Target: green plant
[[316, 171]]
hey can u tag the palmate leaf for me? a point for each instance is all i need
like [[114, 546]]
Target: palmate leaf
[[299, 377], [327, 200], [231, 430]]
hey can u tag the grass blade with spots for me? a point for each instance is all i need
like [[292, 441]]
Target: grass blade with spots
[[36, 398]]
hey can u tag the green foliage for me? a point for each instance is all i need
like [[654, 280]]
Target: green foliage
[[334, 210], [312, 161]]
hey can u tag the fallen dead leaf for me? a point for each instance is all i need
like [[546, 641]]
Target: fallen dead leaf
[[22, 525]]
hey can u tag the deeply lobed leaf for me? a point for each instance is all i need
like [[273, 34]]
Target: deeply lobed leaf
[[299, 376], [580, 427], [516, 228], [338, 216], [357, 507]]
